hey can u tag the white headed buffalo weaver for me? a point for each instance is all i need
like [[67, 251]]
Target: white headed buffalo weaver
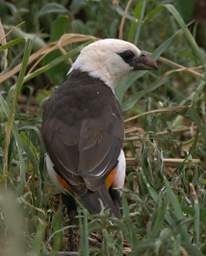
[[82, 124]]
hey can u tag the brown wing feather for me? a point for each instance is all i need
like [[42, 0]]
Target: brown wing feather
[[99, 147]]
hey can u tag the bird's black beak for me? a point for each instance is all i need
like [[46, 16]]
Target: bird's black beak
[[144, 62]]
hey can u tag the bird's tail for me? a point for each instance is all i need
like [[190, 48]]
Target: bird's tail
[[92, 201]]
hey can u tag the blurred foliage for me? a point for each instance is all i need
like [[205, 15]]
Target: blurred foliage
[[164, 201]]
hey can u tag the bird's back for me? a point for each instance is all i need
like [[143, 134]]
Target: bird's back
[[79, 98]]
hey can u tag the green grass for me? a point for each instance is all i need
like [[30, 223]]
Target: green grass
[[164, 199]]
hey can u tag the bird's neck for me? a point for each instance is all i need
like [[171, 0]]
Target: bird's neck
[[97, 71]]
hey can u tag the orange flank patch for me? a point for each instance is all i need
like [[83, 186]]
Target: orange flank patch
[[63, 183], [110, 178]]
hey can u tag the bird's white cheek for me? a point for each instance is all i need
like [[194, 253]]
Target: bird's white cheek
[[121, 171]]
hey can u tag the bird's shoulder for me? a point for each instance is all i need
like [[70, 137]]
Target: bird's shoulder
[[80, 96]]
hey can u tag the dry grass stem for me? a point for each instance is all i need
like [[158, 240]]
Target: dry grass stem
[[2, 37], [193, 192], [181, 68], [160, 110], [139, 130], [66, 39], [122, 23], [68, 254], [167, 161], [3, 41]]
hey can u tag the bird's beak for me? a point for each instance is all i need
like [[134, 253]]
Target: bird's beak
[[144, 62]]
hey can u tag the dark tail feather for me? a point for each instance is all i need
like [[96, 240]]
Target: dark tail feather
[[91, 200]]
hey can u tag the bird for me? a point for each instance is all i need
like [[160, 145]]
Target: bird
[[82, 127]]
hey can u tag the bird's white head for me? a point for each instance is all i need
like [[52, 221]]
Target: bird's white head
[[112, 59]]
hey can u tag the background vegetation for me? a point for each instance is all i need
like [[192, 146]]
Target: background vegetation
[[164, 200]]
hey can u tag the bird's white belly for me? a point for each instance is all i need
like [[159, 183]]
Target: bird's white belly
[[51, 172], [121, 171]]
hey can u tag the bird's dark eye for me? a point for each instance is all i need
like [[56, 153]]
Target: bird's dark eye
[[127, 56]]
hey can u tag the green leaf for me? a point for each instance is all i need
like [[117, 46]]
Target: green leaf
[[84, 232], [76, 5], [78, 26], [12, 110], [51, 8], [164, 46], [4, 109], [140, 94], [57, 225], [11, 43], [128, 221], [150, 189], [197, 221], [158, 218], [136, 26], [39, 237], [59, 27], [57, 73], [174, 201], [152, 13], [178, 212], [37, 41], [142, 8], [121, 12], [127, 83], [186, 8]]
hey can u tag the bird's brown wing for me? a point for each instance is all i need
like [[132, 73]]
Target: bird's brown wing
[[88, 156], [61, 143], [99, 147]]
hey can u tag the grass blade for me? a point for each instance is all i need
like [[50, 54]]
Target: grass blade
[[186, 31], [52, 64], [18, 141], [140, 94], [181, 228], [142, 7], [11, 117], [84, 232], [11, 43]]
